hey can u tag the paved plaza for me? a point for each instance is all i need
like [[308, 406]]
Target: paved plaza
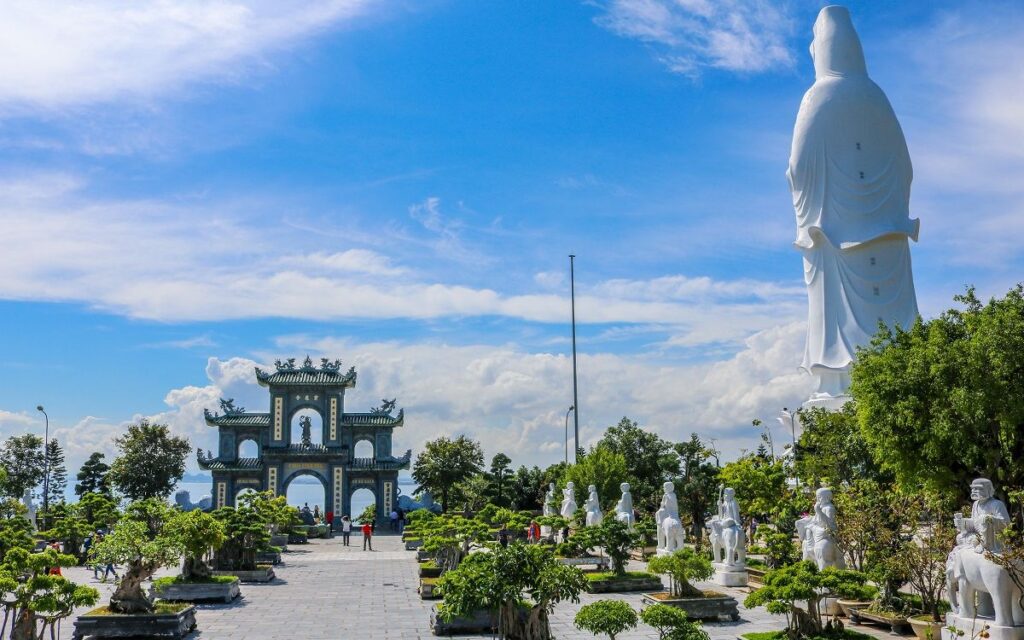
[[325, 590]]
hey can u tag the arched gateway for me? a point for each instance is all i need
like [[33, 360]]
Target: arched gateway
[[279, 458]]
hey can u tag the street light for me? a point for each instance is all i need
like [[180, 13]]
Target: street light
[[788, 415], [46, 462], [571, 409]]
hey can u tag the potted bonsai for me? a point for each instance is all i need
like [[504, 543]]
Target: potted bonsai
[[140, 543], [608, 617], [681, 567], [616, 539], [246, 535], [672, 623], [34, 601], [196, 534], [447, 540], [924, 563]]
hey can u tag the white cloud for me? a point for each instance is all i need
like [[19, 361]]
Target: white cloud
[[352, 260], [57, 54], [690, 35]]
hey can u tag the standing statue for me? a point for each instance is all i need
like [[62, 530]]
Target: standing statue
[[624, 508], [849, 173], [593, 508], [979, 590], [30, 507], [307, 427], [819, 537], [728, 540], [670, 529], [569, 501], [549, 509]]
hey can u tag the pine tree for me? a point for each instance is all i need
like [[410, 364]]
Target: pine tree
[[92, 477], [58, 482]]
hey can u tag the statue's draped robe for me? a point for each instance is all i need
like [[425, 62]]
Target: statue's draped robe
[[849, 173]]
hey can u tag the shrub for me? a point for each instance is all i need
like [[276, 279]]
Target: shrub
[[802, 582], [672, 623], [35, 601], [681, 567], [610, 617]]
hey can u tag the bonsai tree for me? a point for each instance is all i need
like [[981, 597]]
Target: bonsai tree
[[69, 528], [139, 542], [506, 580], [196, 534], [647, 530], [15, 528], [246, 534], [369, 514], [274, 510], [780, 550], [613, 537], [924, 563], [672, 623], [448, 539], [610, 617], [98, 509], [34, 601], [681, 567], [798, 583]]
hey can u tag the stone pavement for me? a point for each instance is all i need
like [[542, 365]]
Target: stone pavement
[[325, 590]]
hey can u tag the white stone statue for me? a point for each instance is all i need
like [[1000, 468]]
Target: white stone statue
[[849, 173], [549, 509], [624, 508], [818, 539], [670, 529], [26, 499], [728, 540], [980, 592], [593, 508], [569, 501]]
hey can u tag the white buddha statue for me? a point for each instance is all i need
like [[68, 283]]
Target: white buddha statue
[[593, 508], [569, 501]]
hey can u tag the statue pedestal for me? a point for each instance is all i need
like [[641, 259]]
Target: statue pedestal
[[730, 575], [827, 402], [973, 626]]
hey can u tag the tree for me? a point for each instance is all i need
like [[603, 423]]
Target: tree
[[923, 561], [759, 482], [832, 450], [246, 534], [610, 617], [601, 467], [472, 493], [449, 538], [15, 529], [498, 581], [35, 601], [797, 590], [672, 623], [68, 527], [614, 537], [23, 459], [444, 463], [526, 488], [498, 480], [942, 402], [151, 463], [58, 481], [196, 533], [697, 484], [92, 477], [652, 461], [98, 509], [681, 567]]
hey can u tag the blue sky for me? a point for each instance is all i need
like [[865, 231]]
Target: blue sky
[[189, 188]]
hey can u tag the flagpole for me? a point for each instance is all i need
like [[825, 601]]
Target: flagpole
[[575, 389]]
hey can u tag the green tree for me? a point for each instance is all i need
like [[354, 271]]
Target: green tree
[[796, 591], [196, 533], [58, 481], [672, 623], [246, 534], [608, 617], [681, 567], [92, 477], [15, 529], [759, 482], [449, 538], [942, 402], [615, 538], [526, 488], [23, 459], [501, 581], [601, 467], [499, 479], [652, 461], [832, 451], [472, 493], [68, 527], [33, 600], [446, 462], [152, 461], [698, 482], [99, 510]]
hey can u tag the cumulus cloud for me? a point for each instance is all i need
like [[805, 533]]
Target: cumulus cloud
[[56, 55], [690, 35]]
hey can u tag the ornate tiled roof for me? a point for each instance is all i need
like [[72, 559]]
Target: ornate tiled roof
[[214, 464], [288, 374], [237, 419], [373, 419], [384, 463]]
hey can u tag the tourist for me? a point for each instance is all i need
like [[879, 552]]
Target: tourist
[[503, 537], [316, 514], [368, 535], [346, 530], [533, 533], [110, 569], [401, 520], [394, 520], [55, 571]]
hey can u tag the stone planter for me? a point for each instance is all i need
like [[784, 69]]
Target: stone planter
[[430, 572], [413, 543], [422, 556], [428, 588], [711, 607], [600, 563], [482, 621], [642, 554], [897, 624], [261, 574], [925, 629], [279, 540], [269, 557], [848, 606], [197, 591], [625, 584], [755, 577], [149, 625]]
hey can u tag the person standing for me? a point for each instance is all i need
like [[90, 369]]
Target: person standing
[[401, 520], [346, 530], [394, 520], [367, 536]]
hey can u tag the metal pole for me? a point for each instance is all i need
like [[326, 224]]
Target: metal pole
[[46, 462], [571, 409], [575, 388]]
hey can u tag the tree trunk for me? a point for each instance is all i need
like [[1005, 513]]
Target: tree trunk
[[129, 596], [194, 569], [24, 627]]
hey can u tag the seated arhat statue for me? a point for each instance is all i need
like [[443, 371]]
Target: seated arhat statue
[[593, 508], [624, 507], [819, 537], [569, 501]]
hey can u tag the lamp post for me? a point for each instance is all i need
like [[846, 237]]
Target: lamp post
[[575, 394], [46, 462], [571, 409], [788, 415]]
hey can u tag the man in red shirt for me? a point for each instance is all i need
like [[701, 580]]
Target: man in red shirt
[[367, 536]]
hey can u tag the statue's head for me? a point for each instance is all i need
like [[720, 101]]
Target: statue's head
[[982, 489], [823, 495], [592, 488], [729, 493], [836, 49], [570, 485], [552, 487], [624, 487], [669, 487]]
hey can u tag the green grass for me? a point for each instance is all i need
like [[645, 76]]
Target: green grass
[[160, 608], [629, 575], [168, 581], [846, 634]]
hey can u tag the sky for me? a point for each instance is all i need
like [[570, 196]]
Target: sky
[[189, 189]]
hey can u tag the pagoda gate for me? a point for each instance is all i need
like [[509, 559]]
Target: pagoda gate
[[279, 459]]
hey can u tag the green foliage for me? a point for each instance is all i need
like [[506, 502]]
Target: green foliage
[[151, 462], [647, 528], [368, 515], [697, 486], [602, 467], [274, 510], [802, 583], [449, 538], [526, 488], [446, 462], [15, 529], [498, 581], [942, 402], [832, 451], [780, 549], [652, 461], [759, 483], [196, 533], [35, 601], [92, 477], [613, 537], [58, 480], [246, 534], [923, 560], [99, 510], [608, 617], [681, 567], [499, 479], [672, 623], [23, 459], [68, 527], [172, 580]]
